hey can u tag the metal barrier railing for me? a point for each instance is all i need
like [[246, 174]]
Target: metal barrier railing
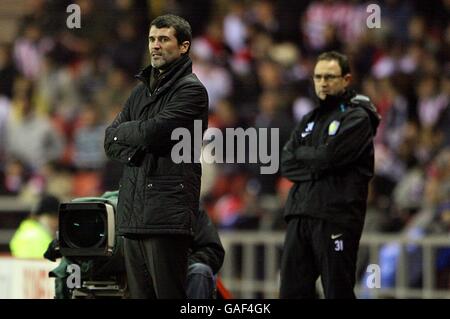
[[252, 263]]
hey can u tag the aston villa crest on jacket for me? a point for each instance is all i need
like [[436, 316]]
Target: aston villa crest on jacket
[[333, 127]]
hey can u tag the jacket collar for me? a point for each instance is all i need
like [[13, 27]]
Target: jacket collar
[[332, 101], [176, 70]]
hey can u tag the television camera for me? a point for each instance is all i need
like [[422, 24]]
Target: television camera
[[87, 242]]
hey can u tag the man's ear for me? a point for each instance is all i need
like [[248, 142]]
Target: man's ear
[[185, 46], [348, 78]]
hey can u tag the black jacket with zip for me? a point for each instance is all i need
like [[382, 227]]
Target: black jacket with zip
[[156, 194], [330, 159]]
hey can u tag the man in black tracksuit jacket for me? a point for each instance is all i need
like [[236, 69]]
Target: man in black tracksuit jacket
[[330, 159], [205, 258], [158, 195]]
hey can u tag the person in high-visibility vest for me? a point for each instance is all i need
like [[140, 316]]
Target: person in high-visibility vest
[[35, 233]]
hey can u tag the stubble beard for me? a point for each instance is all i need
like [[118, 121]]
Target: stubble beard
[[157, 65]]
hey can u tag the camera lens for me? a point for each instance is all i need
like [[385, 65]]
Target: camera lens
[[84, 229]]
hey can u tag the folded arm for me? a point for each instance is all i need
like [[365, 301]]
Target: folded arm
[[120, 151], [290, 166], [353, 136], [187, 105]]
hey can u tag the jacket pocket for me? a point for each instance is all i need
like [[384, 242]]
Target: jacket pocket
[[166, 202]]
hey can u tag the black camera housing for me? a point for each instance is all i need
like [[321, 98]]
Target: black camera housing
[[87, 228]]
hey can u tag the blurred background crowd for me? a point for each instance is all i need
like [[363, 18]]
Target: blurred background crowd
[[60, 88]]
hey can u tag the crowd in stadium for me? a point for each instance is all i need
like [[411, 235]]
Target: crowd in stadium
[[61, 87]]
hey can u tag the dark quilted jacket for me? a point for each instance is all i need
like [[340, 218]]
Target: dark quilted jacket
[[156, 194]]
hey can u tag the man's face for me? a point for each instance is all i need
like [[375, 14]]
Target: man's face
[[328, 79], [164, 47]]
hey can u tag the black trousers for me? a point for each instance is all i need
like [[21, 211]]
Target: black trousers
[[156, 266], [314, 248]]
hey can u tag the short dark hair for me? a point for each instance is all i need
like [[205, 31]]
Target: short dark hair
[[183, 30], [340, 58], [47, 204]]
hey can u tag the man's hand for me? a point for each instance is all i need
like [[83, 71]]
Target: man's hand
[[52, 253], [138, 157]]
